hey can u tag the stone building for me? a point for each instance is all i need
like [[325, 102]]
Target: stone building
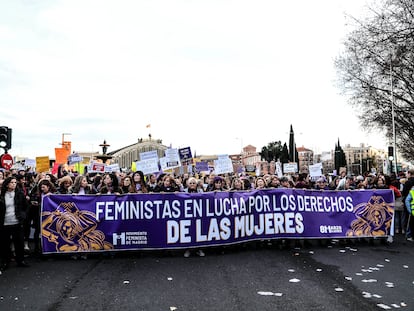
[[363, 159], [126, 155], [305, 159]]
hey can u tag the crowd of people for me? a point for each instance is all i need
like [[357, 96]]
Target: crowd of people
[[22, 192]]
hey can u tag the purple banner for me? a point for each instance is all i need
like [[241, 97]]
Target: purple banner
[[88, 223]]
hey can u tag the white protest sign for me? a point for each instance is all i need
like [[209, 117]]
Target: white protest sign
[[222, 156], [112, 168], [279, 172], [148, 155], [315, 170], [30, 162], [172, 158], [290, 167], [163, 163], [258, 170], [223, 165], [148, 166], [96, 167]]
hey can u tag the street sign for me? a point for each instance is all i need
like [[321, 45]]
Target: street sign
[[6, 161]]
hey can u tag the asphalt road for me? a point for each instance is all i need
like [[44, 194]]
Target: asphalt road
[[329, 275]]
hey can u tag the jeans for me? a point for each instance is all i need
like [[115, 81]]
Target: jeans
[[8, 234]]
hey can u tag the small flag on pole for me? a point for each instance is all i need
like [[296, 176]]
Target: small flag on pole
[[148, 125]]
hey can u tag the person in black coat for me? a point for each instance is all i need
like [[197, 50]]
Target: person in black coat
[[13, 209]]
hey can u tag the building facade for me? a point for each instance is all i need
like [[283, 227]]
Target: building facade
[[363, 159], [359, 159], [305, 159], [125, 156]]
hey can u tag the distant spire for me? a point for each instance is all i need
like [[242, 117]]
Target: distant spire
[[292, 146]]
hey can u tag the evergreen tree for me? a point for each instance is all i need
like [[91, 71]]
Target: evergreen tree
[[284, 158], [340, 158], [271, 152], [293, 152]]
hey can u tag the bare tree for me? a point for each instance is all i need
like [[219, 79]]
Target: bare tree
[[376, 70]]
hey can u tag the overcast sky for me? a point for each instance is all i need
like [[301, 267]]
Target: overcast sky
[[212, 75]]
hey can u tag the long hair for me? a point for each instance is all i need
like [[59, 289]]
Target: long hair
[[6, 183], [113, 187], [77, 184], [48, 183], [141, 182]]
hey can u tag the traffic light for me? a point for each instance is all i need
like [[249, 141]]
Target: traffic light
[[391, 153], [5, 137]]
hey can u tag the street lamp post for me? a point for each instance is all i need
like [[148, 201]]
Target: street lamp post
[[66, 144], [241, 144], [393, 115], [63, 137]]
